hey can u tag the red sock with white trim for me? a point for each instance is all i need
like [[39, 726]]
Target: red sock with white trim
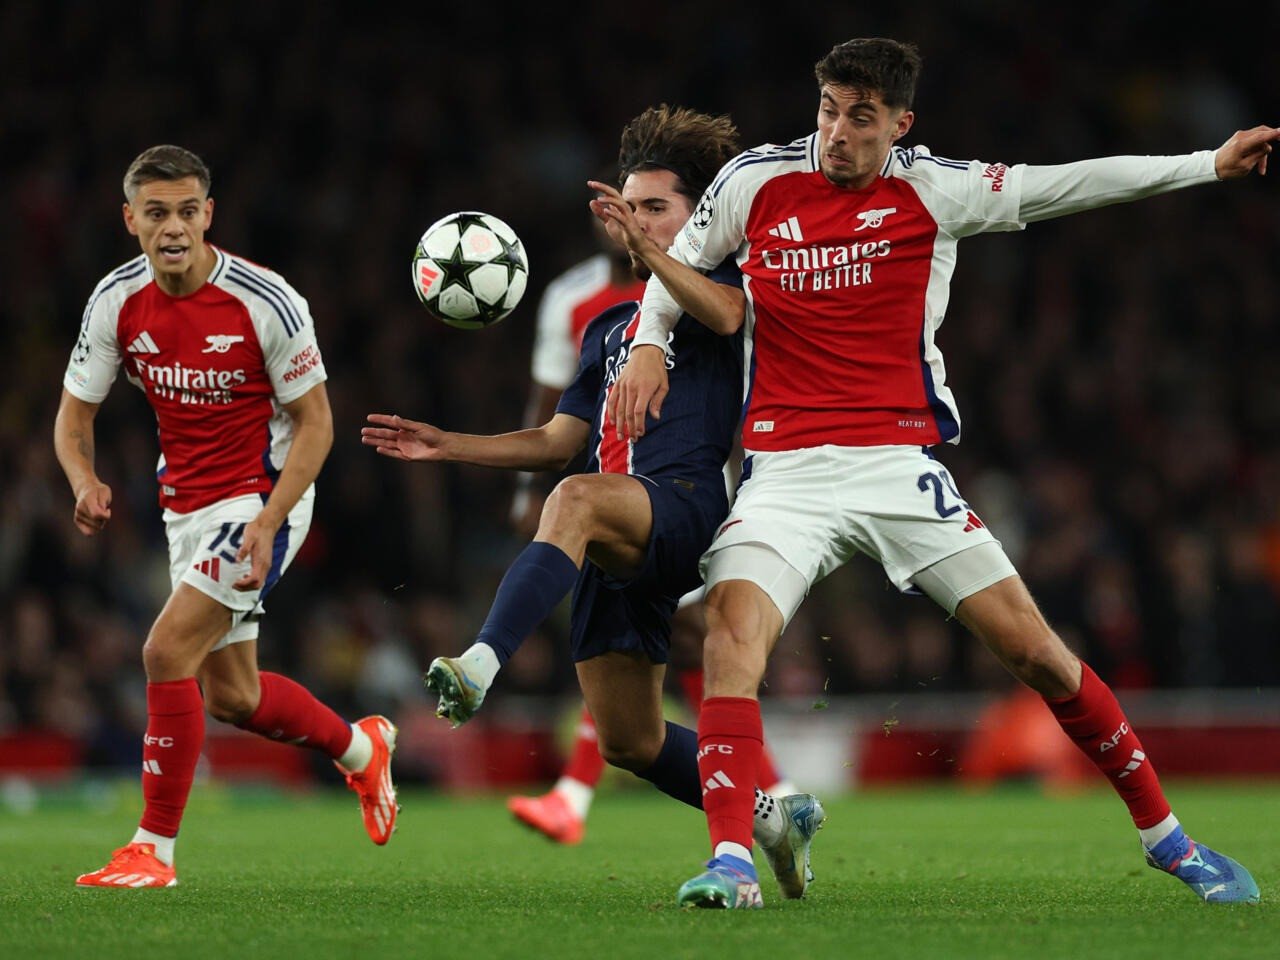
[[170, 750], [287, 711], [1093, 719], [729, 739]]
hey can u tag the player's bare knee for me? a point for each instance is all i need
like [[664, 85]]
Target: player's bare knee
[[571, 506], [164, 659]]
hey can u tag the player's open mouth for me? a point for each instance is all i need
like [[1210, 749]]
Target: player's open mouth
[[173, 253]]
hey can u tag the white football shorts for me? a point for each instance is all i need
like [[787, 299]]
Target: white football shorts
[[817, 507], [202, 553]]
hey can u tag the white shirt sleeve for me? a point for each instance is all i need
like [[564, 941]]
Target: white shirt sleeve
[[95, 359], [1052, 191], [293, 363]]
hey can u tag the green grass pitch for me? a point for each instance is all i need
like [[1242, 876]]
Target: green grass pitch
[[912, 874]]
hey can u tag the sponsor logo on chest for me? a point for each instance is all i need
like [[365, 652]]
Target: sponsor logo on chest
[[187, 383], [824, 266]]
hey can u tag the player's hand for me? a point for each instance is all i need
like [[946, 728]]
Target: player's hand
[[1245, 150], [402, 439], [257, 545], [93, 508], [639, 390], [619, 219]]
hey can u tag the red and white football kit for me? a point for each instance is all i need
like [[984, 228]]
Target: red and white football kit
[[217, 367], [846, 391], [845, 386]]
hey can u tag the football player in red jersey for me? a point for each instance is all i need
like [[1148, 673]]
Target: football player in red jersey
[[847, 241], [226, 353], [625, 534]]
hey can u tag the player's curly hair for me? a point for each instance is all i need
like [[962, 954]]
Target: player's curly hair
[[164, 162], [693, 146], [888, 67]]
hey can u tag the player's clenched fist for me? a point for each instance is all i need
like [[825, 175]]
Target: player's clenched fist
[[641, 388], [93, 508]]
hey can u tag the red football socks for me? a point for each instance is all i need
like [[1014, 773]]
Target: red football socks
[[691, 686], [170, 749], [1093, 719], [287, 711], [729, 742], [585, 763]]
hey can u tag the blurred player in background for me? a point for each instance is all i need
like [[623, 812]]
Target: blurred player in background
[[571, 301], [847, 243], [226, 354], [626, 534]]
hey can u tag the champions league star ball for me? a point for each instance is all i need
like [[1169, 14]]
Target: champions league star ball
[[470, 270]]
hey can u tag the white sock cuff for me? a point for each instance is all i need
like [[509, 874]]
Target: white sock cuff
[[359, 753], [1153, 835]]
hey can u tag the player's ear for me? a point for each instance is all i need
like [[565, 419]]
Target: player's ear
[[208, 213], [128, 219], [904, 122]]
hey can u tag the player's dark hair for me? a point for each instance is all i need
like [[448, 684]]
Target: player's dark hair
[[887, 67], [165, 162], [693, 146]]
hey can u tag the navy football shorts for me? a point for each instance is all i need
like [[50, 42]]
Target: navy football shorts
[[635, 615]]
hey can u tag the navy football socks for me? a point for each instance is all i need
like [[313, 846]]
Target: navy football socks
[[539, 579], [675, 772]]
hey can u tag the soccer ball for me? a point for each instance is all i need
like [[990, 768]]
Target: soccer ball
[[470, 269]]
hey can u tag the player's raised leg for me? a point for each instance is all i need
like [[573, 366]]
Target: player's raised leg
[[1006, 619], [275, 707], [606, 512]]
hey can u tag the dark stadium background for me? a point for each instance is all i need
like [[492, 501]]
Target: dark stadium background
[[1116, 370]]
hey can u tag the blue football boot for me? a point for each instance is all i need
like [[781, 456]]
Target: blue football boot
[[1215, 878], [729, 883]]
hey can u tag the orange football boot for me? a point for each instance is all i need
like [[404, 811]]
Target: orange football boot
[[373, 784], [133, 865], [551, 815]]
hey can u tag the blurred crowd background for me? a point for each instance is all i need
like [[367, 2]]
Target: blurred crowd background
[[1115, 370]]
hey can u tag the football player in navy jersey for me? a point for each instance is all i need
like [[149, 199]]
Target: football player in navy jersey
[[626, 534], [847, 241]]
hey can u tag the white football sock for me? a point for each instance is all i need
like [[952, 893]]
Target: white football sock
[[481, 664], [725, 848], [1153, 835], [359, 753], [576, 793], [163, 845]]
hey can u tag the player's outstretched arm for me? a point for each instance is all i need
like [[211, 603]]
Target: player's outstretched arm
[[720, 307], [639, 390], [1245, 151], [549, 447], [73, 444]]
